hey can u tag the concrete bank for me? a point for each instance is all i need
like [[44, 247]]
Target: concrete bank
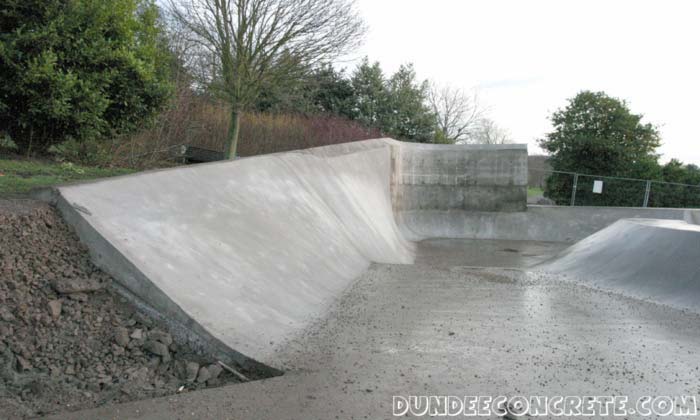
[[655, 260], [243, 253]]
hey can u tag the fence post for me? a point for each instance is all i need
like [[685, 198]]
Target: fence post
[[646, 194], [573, 191]]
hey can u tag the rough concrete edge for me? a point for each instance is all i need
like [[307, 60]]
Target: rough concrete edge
[[509, 146], [43, 193], [40, 192], [693, 210], [135, 286]]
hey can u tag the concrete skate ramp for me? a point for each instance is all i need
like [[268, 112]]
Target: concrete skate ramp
[[244, 254], [656, 260], [245, 251]]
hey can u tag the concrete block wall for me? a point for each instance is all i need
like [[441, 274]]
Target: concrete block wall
[[489, 178]]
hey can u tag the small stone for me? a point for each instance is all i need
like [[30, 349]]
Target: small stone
[[215, 370], [137, 334], [55, 309], [78, 297], [121, 336], [76, 285], [6, 331], [6, 315], [161, 336], [153, 362], [157, 348], [23, 363], [191, 370], [203, 375], [117, 350], [70, 370]]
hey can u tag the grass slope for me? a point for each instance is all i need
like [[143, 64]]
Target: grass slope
[[18, 176]]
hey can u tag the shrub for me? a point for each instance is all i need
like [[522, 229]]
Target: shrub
[[78, 70], [197, 121]]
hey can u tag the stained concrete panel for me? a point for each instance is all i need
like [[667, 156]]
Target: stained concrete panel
[[462, 177]]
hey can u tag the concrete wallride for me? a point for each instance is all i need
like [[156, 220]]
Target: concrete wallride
[[656, 260]]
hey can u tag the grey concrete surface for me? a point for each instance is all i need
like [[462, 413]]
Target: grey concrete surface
[[486, 253], [652, 259], [441, 328], [461, 177], [303, 261], [243, 254], [249, 250], [538, 223]]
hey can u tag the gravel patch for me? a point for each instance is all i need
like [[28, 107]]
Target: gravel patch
[[68, 340]]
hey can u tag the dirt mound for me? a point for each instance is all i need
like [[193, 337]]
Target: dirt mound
[[68, 341]]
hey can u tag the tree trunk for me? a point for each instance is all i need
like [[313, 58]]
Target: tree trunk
[[232, 136]]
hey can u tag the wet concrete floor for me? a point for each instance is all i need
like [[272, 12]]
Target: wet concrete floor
[[445, 326]]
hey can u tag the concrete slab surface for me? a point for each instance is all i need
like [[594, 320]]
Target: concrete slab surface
[[304, 262], [241, 255], [442, 328], [657, 260]]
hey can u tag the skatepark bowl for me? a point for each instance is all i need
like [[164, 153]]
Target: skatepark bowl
[[354, 273]]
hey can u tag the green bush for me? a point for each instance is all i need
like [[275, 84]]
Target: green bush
[[86, 152], [598, 134], [79, 70]]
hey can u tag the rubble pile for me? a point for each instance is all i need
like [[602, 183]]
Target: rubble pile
[[68, 341]]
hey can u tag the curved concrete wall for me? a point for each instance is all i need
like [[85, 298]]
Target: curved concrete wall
[[657, 260], [249, 251]]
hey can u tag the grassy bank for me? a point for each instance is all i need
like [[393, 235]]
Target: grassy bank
[[535, 192], [20, 176]]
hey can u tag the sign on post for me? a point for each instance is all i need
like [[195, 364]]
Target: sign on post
[[597, 186]]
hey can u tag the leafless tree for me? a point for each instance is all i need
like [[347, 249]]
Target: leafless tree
[[488, 132], [457, 112], [245, 45]]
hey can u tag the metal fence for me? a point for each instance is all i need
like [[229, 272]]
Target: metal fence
[[577, 189]]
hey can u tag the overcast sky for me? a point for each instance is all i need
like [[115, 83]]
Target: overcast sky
[[527, 57]]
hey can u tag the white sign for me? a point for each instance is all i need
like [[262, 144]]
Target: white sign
[[598, 187]]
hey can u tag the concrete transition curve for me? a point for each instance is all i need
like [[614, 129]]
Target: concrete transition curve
[[241, 256], [657, 260]]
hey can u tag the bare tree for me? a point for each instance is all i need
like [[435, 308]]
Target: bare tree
[[457, 112], [488, 132], [246, 45]]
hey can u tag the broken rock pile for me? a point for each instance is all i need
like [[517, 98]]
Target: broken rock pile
[[68, 341]]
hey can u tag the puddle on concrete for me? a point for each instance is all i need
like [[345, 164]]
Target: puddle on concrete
[[485, 253]]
